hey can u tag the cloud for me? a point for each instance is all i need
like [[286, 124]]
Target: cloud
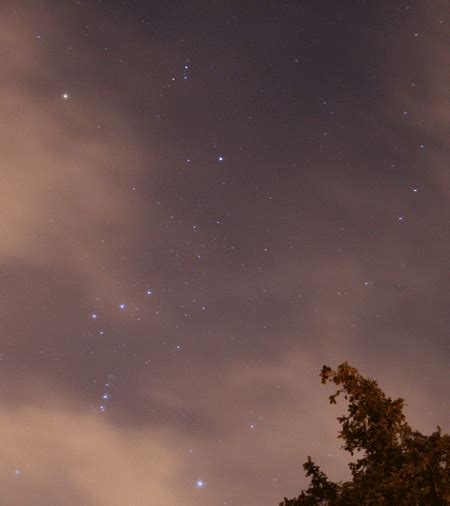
[[262, 422], [57, 452], [66, 171], [416, 101], [53, 453]]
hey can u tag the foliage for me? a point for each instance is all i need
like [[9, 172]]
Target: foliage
[[396, 466]]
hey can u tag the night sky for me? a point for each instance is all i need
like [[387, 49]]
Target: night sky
[[203, 202]]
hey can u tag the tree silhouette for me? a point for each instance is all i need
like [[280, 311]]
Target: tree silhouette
[[397, 465]]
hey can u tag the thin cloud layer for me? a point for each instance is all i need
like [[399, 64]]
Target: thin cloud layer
[[61, 186]]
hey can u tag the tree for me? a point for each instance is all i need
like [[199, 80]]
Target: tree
[[396, 466]]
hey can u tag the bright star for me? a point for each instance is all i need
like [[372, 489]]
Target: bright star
[[200, 484], [65, 96]]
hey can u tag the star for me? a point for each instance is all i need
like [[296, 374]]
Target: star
[[65, 96], [200, 484]]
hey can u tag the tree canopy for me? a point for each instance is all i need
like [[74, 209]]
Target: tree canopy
[[396, 466]]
